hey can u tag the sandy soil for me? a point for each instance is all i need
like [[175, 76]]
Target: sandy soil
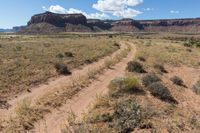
[[80, 103]]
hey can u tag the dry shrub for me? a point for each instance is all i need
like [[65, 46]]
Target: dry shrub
[[160, 91], [62, 69], [122, 85], [177, 80], [134, 66], [149, 79], [196, 87]]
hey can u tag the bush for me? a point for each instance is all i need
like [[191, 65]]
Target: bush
[[62, 69], [127, 116], [123, 85], [69, 54], [158, 90], [88, 61], [60, 55], [177, 80], [134, 66], [149, 79], [196, 87], [117, 45], [142, 59], [160, 68], [109, 62], [4, 104]]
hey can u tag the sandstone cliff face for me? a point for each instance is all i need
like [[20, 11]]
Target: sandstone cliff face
[[127, 25], [79, 23], [99, 23], [58, 20]]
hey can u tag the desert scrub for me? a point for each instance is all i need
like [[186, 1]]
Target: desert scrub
[[127, 116], [141, 58], [122, 85], [134, 66], [109, 62], [25, 117], [160, 68], [160, 91], [62, 69], [177, 80], [149, 79], [35, 62], [196, 87], [157, 53]]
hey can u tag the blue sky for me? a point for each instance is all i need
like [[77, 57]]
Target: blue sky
[[18, 12]]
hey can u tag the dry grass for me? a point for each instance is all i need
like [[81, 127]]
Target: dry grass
[[53, 99], [158, 51], [156, 115], [26, 114], [25, 117], [26, 61]]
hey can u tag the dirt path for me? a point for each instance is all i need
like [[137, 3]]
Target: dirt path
[[60, 82], [53, 122]]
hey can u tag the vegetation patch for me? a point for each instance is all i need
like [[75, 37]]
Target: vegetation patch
[[160, 91], [150, 79], [62, 69], [122, 85], [177, 80], [29, 60], [134, 66], [127, 116], [192, 43], [196, 87], [25, 117]]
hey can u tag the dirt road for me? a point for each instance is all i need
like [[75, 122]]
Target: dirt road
[[53, 122]]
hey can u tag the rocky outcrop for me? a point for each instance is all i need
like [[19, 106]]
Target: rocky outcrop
[[79, 23], [126, 25], [59, 20], [99, 23]]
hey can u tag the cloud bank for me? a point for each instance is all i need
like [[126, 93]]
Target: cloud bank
[[105, 8]]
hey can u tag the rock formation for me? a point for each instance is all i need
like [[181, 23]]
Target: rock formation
[[51, 22]]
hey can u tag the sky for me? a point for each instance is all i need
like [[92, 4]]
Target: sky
[[19, 12]]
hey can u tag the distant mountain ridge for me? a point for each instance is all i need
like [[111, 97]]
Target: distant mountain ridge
[[14, 29], [52, 23]]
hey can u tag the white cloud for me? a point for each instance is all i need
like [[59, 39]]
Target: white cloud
[[127, 13], [174, 12], [62, 10], [57, 9], [119, 8]]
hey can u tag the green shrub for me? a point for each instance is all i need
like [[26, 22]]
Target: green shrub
[[123, 85], [127, 116], [62, 69], [160, 68], [134, 66], [188, 43], [177, 80], [196, 87], [149, 79], [158, 90]]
